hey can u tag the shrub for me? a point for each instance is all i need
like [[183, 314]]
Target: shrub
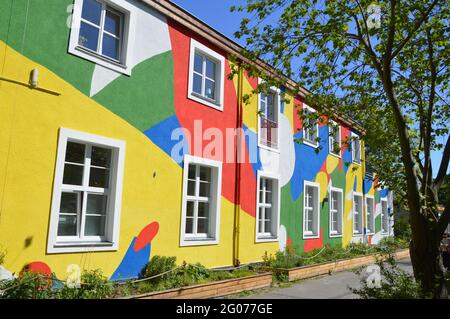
[[395, 283], [2, 257], [27, 286], [158, 265], [402, 229], [93, 286]]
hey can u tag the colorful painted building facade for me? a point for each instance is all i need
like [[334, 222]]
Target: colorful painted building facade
[[120, 141]]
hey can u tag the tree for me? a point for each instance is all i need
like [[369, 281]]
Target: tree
[[386, 65]]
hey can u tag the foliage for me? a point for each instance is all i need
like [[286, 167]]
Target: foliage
[[444, 192], [93, 286], [158, 265], [383, 64], [395, 283], [402, 229], [27, 285], [2, 256]]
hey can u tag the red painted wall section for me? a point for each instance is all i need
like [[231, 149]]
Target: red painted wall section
[[311, 244], [297, 122], [188, 111]]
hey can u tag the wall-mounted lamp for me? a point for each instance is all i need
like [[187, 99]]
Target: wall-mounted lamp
[[34, 77]]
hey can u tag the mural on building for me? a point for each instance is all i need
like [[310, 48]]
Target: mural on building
[[144, 109]]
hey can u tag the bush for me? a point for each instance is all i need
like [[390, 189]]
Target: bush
[[402, 229], [395, 283], [158, 265], [93, 286], [27, 286], [2, 257]]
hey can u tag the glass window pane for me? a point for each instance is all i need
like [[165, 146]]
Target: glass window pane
[[101, 157], [202, 226], [268, 213], [69, 203], [189, 226], [96, 204], [191, 188], [204, 189], [112, 23], [99, 177], [205, 174], [190, 209], [95, 226], [267, 226], [67, 225], [210, 69], [210, 89], [73, 174], [92, 11], [203, 209], [197, 85], [75, 152], [191, 172], [198, 63], [88, 36], [110, 47]]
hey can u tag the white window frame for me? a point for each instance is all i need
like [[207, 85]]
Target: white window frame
[[127, 40], [112, 231], [330, 137], [216, 195], [372, 217], [333, 233], [309, 234], [277, 101], [360, 231], [384, 231], [307, 142], [275, 206], [220, 74], [354, 160]]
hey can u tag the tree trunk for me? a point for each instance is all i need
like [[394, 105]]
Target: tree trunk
[[426, 257]]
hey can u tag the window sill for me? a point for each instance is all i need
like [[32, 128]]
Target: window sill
[[266, 239], [202, 100], [335, 235], [335, 155], [73, 247], [356, 163], [100, 59], [310, 144], [268, 148], [310, 236], [198, 241]]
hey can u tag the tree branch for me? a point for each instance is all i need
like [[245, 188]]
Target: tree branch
[[443, 167], [417, 24]]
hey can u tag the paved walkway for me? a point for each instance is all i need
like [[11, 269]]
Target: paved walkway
[[333, 286]]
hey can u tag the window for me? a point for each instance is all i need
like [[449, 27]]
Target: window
[[100, 32], [357, 214], [336, 211], [356, 149], [370, 216], [311, 131], [267, 208], [384, 217], [87, 193], [334, 133], [311, 210], [206, 72], [201, 201], [268, 119]]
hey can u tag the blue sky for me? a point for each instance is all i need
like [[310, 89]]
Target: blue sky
[[217, 14]]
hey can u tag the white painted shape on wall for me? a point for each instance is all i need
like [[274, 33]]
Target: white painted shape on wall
[[282, 237], [150, 37]]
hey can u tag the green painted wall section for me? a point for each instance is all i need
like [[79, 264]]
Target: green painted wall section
[[152, 101], [292, 217], [43, 36]]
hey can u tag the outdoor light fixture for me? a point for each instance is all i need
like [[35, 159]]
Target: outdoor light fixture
[[34, 77]]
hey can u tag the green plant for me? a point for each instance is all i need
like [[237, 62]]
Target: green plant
[[395, 283], [2, 256], [158, 265], [27, 285], [93, 286], [402, 229]]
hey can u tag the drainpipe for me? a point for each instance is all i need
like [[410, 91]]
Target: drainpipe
[[237, 189]]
